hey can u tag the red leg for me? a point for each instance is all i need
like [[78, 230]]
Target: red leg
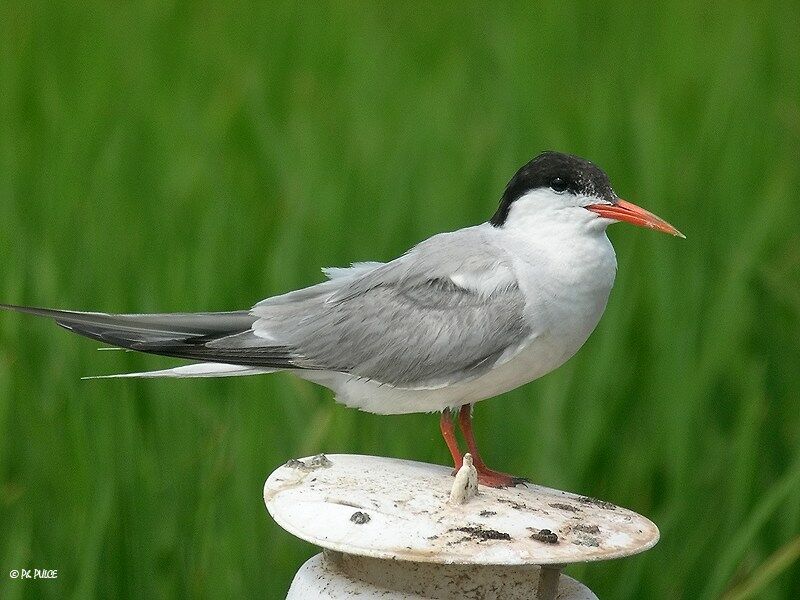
[[486, 476], [449, 434]]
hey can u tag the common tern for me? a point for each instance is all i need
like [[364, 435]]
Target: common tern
[[461, 317]]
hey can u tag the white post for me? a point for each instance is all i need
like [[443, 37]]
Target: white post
[[395, 529]]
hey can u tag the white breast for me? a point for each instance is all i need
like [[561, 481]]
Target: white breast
[[566, 280]]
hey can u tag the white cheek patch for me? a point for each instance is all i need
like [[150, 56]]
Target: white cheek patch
[[546, 199], [539, 205]]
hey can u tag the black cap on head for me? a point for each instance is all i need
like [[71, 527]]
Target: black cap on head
[[562, 172]]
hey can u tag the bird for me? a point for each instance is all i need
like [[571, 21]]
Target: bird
[[461, 317]]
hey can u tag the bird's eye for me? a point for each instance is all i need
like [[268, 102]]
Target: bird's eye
[[558, 185]]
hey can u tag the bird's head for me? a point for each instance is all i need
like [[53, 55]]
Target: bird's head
[[570, 189]]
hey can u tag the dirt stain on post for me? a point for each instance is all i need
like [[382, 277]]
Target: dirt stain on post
[[481, 534]]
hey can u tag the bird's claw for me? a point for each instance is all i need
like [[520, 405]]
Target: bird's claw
[[496, 479]]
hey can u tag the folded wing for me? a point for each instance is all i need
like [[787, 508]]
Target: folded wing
[[448, 310]]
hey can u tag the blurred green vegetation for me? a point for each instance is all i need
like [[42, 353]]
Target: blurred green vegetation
[[173, 156]]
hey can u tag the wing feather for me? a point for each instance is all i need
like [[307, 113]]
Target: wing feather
[[406, 323]]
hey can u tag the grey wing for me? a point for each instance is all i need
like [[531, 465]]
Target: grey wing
[[446, 311], [426, 319]]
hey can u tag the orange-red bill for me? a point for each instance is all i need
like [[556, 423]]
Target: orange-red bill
[[622, 210]]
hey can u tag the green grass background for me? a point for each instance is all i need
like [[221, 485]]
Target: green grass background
[[173, 156]]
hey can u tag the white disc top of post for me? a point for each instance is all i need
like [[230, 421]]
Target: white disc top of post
[[398, 509]]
